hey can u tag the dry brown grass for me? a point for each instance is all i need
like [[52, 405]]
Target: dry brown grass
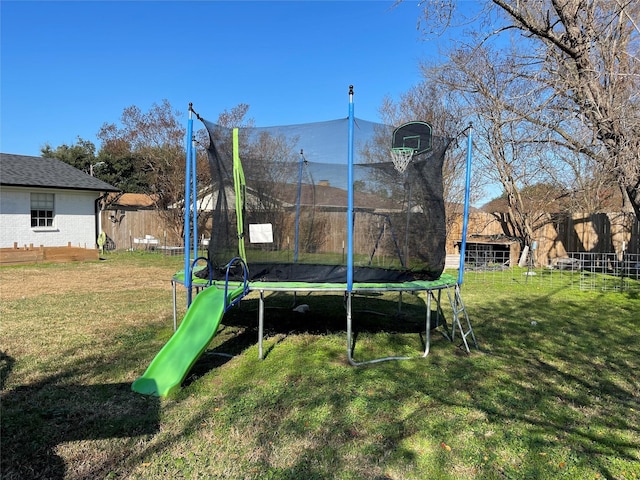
[[91, 277]]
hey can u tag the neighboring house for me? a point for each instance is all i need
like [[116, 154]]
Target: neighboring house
[[44, 201], [116, 205], [130, 201], [322, 196]]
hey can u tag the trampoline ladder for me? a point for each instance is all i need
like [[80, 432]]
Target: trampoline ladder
[[459, 310]]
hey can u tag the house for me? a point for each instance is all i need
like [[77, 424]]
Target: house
[[44, 201]]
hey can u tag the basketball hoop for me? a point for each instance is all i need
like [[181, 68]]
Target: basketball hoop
[[401, 157]]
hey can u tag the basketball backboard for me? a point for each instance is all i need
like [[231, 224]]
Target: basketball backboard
[[415, 135]]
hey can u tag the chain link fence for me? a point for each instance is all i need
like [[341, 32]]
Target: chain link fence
[[579, 270]]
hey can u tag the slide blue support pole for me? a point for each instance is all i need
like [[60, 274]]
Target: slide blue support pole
[[298, 200], [465, 219], [350, 195], [187, 209]]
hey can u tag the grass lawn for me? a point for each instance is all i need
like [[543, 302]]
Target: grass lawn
[[554, 391]]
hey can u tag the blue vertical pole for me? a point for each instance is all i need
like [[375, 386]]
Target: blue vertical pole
[[298, 200], [350, 195], [187, 209], [194, 197], [465, 218]]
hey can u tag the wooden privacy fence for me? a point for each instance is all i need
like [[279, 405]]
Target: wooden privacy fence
[[555, 235], [558, 234], [124, 227]]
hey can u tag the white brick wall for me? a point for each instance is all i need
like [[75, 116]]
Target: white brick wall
[[74, 219]]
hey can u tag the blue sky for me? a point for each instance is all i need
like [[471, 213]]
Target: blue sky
[[69, 67]]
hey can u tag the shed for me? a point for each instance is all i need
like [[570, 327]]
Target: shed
[[486, 251]]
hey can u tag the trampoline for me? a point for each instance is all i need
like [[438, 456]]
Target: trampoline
[[344, 206]]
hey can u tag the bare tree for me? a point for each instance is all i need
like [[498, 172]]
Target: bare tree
[[583, 60], [580, 184], [593, 69], [155, 140], [507, 149]]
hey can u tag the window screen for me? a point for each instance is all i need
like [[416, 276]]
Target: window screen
[[42, 209]]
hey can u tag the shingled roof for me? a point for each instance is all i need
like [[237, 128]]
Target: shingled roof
[[26, 171]]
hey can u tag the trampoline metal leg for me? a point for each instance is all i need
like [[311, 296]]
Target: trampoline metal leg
[[351, 344], [349, 332], [427, 341], [260, 324], [175, 313]]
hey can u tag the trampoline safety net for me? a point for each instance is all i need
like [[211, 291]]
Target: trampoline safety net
[[279, 200]]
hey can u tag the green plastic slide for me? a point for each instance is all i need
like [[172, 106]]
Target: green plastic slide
[[171, 365]]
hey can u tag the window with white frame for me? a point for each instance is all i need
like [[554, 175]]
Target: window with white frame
[[42, 209]]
